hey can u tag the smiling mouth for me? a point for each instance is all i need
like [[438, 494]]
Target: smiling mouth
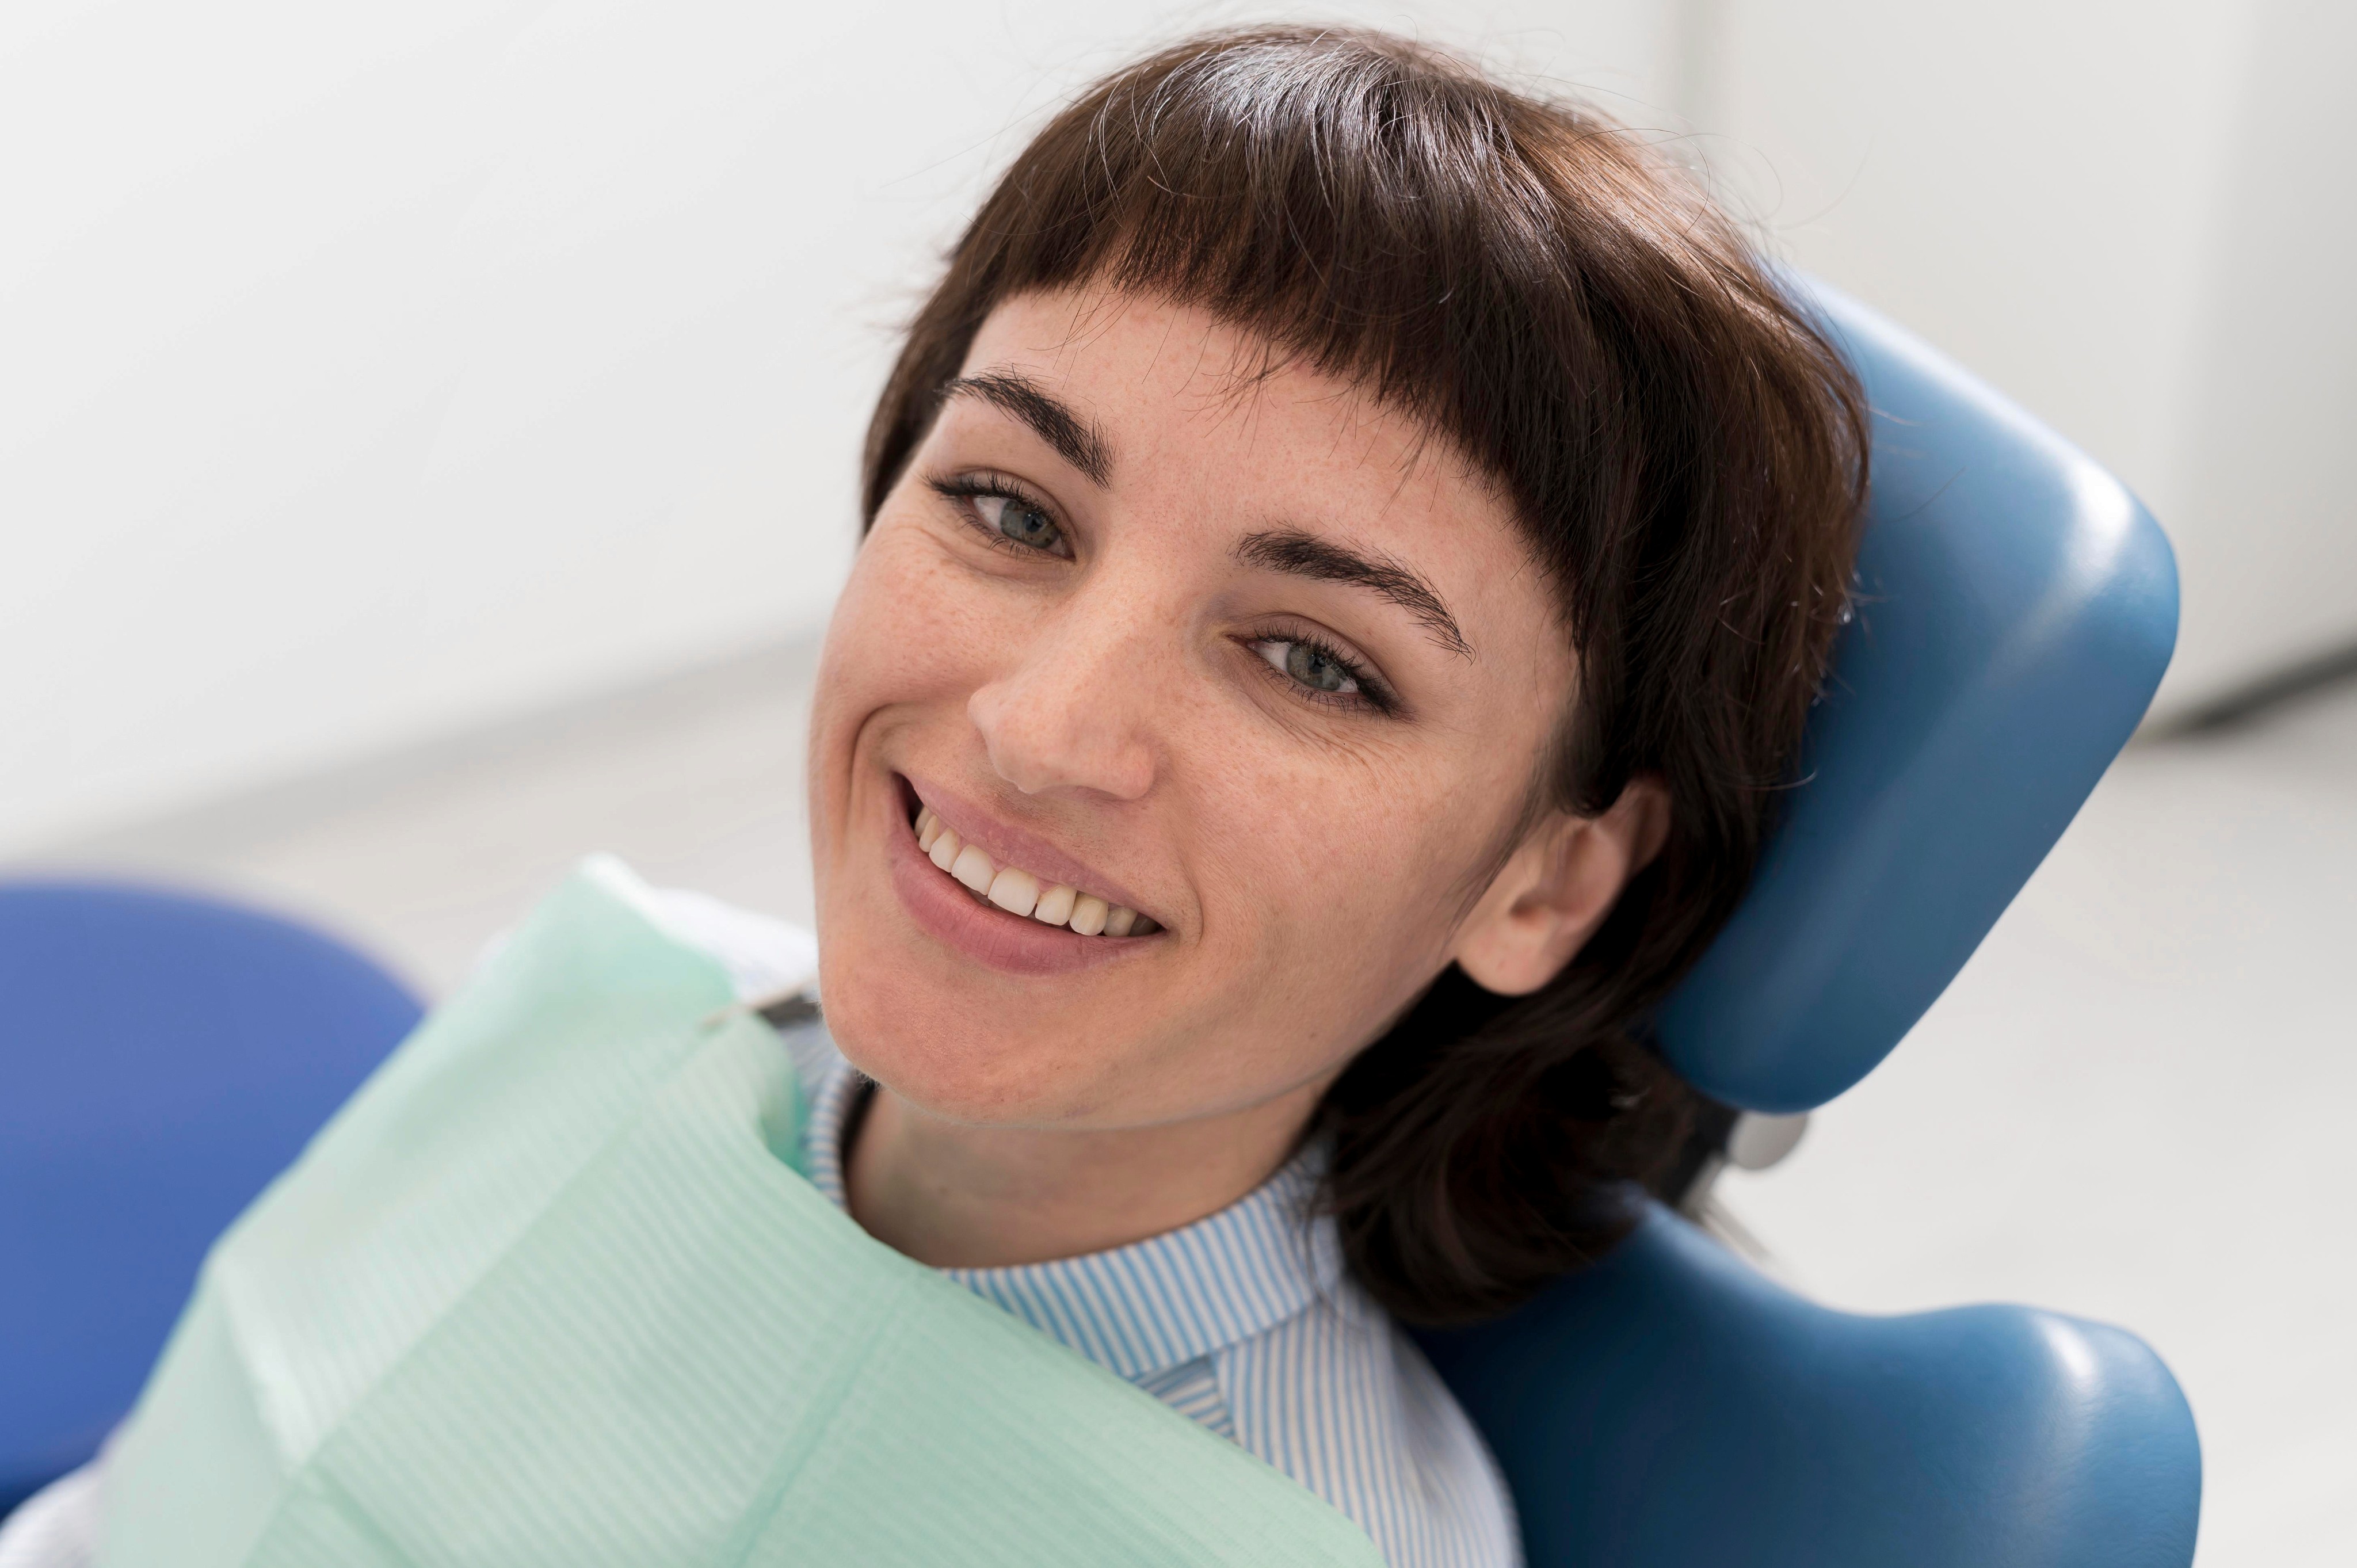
[[1019, 892]]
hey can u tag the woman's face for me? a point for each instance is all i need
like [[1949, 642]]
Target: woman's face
[[1242, 652]]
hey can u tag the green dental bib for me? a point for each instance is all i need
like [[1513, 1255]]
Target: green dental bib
[[549, 1290]]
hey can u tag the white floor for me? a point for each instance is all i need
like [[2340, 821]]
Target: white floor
[[2132, 1106]]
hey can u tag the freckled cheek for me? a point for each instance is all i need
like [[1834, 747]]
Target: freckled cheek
[[911, 629], [1327, 877], [1326, 937]]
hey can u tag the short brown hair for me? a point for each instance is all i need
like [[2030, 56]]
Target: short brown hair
[[1686, 454]]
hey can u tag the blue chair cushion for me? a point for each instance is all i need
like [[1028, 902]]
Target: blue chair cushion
[[161, 1058], [1672, 1408], [2017, 609]]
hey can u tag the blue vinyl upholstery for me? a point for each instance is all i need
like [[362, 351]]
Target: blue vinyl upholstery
[[2017, 609], [162, 1057], [1672, 1409]]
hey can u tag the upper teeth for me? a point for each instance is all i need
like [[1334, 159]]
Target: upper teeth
[[1018, 892]]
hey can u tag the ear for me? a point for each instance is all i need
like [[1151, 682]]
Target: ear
[[1556, 888]]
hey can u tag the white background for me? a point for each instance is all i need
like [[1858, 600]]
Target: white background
[[371, 373]]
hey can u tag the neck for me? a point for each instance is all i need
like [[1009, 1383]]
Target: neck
[[953, 1195]]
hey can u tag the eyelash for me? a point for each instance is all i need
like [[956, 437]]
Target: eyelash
[[1372, 695], [964, 490]]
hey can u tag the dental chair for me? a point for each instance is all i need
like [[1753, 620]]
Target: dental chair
[[162, 1057], [1670, 1408]]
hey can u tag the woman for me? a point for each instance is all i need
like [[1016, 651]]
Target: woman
[[1349, 551], [1384, 531]]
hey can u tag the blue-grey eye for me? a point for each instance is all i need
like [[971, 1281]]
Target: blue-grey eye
[[1019, 520], [1317, 670]]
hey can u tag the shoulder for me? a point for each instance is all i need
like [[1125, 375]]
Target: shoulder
[[1339, 1397]]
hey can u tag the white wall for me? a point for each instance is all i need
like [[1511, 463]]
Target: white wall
[[2134, 215], [369, 372], [2261, 487]]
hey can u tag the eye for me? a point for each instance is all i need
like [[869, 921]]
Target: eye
[[1013, 518], [1320, 669]]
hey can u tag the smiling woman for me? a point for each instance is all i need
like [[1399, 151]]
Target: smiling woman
[[1349, 551]]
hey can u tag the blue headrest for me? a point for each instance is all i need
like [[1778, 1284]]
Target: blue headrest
[[2016, 609]]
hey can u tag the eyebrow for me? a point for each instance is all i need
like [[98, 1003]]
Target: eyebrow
[[1075, 439], [1307, 555]]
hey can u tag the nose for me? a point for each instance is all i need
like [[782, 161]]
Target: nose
[[1078, 710]]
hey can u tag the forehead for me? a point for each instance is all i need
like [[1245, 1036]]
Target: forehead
[[1174, 388]]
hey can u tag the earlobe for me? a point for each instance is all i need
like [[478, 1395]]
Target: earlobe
[[1557, 888]]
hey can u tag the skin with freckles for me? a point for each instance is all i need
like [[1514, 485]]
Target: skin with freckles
[[1242, 650]]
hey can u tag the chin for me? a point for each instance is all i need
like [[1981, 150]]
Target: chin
[[979, 1078], [948, 1048]]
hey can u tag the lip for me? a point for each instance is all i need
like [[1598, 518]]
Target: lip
[[1013, 944], [1008, 845]]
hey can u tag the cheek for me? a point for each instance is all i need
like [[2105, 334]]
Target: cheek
[[915, 633], [902, 630], [900, 641], [1342, 878]]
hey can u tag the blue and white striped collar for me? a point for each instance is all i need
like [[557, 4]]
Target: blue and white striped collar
[[1156, 1303]]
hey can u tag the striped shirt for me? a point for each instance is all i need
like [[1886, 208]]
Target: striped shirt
[[1245, 1322]]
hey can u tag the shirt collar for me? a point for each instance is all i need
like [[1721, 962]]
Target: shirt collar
[[1154, 1304]]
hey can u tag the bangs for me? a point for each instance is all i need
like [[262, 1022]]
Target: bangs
[[1368, 214]]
